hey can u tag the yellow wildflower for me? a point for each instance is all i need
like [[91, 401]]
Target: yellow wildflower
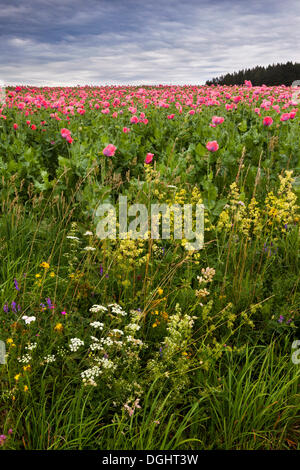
[[45, 265], [58, 327]]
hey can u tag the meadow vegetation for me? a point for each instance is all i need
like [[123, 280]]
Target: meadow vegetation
[[143, 344]]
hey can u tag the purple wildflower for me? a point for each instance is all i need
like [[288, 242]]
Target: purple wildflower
[[49, 303], [16, 284]]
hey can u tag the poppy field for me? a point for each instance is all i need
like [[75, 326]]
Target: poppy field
[[140, 343]]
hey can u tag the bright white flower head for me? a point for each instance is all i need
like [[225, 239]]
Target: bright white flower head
[[28, 320], [75, 344], [98, 308]]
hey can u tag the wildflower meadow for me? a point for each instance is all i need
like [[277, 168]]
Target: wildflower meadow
[[142, 342]]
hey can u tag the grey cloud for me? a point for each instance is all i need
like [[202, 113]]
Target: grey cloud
[[130, 42]]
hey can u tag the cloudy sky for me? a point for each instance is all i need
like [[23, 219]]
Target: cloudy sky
[[70, 42]]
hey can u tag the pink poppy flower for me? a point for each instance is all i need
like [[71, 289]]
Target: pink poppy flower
[[109, 150], [16, 127], [134, 120], [285, 117], [268, 121], [212, 146], [65, 133], [217, 120], [149, 158]]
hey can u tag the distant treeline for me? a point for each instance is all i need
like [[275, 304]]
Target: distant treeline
[[276, 74]]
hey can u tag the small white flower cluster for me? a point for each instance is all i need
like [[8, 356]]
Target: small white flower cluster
[[135, 341], [28, 320], [107, 341], [117, 309], [31, 346], [207, 275], [97, 324], [88, 376], [75, 344], [49, 359], [89, 248], [88, 233], [72, 238], [104, 351], [94, 339], [96, 346], [107, 363], [25, 359], [134, 327], [117, 332], [98, 308]]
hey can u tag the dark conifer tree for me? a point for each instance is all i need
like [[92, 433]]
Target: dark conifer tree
[[275, 74]]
